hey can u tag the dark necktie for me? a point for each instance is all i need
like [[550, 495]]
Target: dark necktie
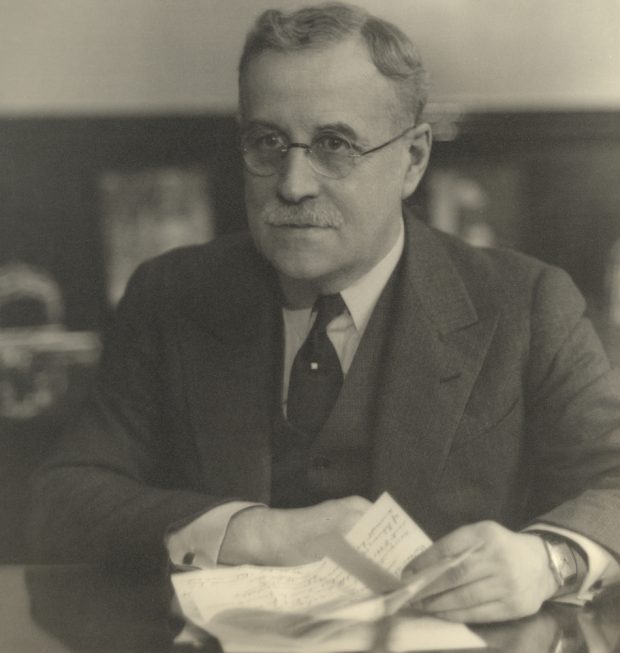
[[316, 376]]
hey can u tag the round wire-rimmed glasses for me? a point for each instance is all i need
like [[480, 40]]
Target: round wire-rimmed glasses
[[264, 151]]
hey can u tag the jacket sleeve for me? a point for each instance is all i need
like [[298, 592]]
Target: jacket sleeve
[[105, 495], [574, 409]]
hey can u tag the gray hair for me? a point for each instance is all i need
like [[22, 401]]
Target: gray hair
[[391, 51]]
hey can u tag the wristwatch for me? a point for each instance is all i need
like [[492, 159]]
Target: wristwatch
[[563, 560]]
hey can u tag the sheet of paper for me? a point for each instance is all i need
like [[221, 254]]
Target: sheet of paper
[[388, 536], [322, 606], [279, 589]]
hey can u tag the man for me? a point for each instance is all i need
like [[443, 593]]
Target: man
[[233, 423]]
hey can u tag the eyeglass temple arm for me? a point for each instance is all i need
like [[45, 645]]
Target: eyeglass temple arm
[[380, 147]]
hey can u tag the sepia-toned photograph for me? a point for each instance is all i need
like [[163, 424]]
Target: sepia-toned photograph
[[309, 326]]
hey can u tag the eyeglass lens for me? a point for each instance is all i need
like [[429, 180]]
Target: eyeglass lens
[[266, 161]]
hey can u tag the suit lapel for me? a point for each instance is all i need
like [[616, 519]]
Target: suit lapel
[[233, 359], [436, 348]]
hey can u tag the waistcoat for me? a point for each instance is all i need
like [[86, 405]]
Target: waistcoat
[[337, 462]]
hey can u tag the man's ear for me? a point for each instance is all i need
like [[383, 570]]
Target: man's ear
[[419, 141]]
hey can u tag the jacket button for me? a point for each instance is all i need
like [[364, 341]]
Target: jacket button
[[320, 462]]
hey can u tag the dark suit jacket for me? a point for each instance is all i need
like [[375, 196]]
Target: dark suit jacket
[[497, 401]]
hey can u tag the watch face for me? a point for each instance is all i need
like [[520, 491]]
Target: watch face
[[564, 561], [562, 557]]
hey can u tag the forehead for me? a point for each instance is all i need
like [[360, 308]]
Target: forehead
[[301, 90]]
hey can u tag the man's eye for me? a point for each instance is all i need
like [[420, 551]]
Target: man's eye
[[331, 143], [271, 141]]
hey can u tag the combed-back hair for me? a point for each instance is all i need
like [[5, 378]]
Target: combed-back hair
[[391, 51]]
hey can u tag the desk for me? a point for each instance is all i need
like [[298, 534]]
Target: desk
[[79, 608]]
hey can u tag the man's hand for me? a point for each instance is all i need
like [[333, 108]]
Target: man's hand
[[270, 536], [507, 577]]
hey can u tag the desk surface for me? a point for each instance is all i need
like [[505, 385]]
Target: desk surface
[[61, 609]]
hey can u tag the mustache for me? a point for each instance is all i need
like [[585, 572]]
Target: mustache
[[303, 215]]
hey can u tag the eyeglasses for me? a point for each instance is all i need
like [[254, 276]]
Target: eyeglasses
[[331, 155]]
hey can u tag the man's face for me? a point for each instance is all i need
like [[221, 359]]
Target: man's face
[[320, 232]]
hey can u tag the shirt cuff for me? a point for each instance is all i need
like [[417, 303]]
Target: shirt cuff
[[198, 543], [603, 569]]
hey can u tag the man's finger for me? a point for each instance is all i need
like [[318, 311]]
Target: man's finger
[[472, 569], [450, 545], [467, 596]]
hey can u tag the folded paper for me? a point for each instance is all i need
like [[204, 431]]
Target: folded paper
[[339, 603]]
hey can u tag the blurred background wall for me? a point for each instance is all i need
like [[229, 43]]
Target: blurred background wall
[[118, 140], [110, 56]]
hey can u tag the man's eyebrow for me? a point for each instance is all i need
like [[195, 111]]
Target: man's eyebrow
[[337, 127], [340, 127], [253, 124]]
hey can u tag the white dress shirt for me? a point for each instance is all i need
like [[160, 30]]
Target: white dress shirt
[[202, 538]]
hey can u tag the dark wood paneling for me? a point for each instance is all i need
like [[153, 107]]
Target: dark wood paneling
[[50, 210], [568, 170]]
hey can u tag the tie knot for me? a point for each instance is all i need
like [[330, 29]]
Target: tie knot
[[328, 307]]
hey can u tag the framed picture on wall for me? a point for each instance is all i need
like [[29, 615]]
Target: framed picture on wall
[[146, 212]]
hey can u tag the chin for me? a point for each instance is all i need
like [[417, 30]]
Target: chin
[[299, 271], [294, 259], [301, 266]]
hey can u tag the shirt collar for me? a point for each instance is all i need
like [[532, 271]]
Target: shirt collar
[[360, 297]]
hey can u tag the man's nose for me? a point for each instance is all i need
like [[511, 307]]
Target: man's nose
[[297, 180]]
